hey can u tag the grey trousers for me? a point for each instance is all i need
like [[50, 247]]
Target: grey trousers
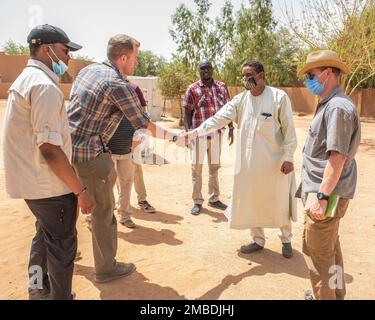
[[54, 246], [99, 176]]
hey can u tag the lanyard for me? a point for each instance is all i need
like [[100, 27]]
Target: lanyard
[[105, 148]]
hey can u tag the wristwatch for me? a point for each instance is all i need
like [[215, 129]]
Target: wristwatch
[[322, 196], [174, 139]]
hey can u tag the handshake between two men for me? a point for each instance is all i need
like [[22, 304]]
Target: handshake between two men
[[184, 139]]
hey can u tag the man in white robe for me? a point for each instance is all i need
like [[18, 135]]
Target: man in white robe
[[264, 180]]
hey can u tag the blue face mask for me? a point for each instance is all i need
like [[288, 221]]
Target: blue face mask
[[59, 68], [314, 86]]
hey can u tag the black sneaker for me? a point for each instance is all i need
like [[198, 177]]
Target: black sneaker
[[146, 207], [250, 248], [287, 250], [196, 210], [218, 205]]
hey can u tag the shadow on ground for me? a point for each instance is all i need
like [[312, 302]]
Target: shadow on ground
[[218, 216], [133, 287], [158, 216], [267, 262], [149, 237]]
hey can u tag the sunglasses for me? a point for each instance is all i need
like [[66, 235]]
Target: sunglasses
[[64, 49], [310, 76]]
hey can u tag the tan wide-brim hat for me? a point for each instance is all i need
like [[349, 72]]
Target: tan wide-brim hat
[[323, 58]]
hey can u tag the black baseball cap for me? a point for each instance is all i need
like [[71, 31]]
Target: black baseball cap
[[47, 34], [205, 64]]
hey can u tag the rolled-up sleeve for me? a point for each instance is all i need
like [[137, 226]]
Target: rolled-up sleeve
[[125, 98], [47, 105], [340, 126]]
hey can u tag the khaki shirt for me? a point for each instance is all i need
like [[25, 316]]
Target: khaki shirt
[[35, 115], [335, 127]]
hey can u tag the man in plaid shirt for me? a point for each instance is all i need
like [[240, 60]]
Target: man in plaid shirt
[[202, 100], [100, 98]]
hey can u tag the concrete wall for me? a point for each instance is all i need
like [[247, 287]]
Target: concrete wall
[[364, 99], [11, 66], [368, 103], [4, 87], [302, 100], [75, 66]]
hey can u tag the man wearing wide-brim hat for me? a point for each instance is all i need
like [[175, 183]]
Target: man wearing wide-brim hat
[[329, 172]]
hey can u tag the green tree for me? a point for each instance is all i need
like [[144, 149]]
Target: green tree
[[175, 77], [234, 38], [356, 45], [194, 34], [346, 26], [81, 57], [225, 33], [13, 48], [258, 38], [149, 64]]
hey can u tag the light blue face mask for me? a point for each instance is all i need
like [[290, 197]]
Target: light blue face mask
[[314, 86], [59, 68]]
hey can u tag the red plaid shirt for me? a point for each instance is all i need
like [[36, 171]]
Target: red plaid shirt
[[205, 101]]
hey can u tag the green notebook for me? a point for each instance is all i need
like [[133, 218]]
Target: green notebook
[[333, 203]]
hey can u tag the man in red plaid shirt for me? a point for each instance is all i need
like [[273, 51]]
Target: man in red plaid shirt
[[202, 100]]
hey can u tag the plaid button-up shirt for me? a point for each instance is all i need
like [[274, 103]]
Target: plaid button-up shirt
[[205, 101], [100, 98]]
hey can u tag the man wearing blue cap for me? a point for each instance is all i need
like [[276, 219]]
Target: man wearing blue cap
[[37, 163]]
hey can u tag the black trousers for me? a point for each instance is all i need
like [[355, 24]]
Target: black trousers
[[54, 246]]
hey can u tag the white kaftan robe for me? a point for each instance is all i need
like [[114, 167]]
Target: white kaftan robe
[[262, 195]]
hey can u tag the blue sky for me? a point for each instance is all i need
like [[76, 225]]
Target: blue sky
[[92, 23]]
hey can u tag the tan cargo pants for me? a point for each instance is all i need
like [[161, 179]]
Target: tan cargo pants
[[198, 149], [323, 255]]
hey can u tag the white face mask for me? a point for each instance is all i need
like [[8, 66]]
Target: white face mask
[[59, 68]]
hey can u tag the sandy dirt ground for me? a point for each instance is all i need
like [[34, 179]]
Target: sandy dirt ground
[[180, 256]]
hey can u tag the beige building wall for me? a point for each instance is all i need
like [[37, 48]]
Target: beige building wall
[[302, 100], [12, 66]]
